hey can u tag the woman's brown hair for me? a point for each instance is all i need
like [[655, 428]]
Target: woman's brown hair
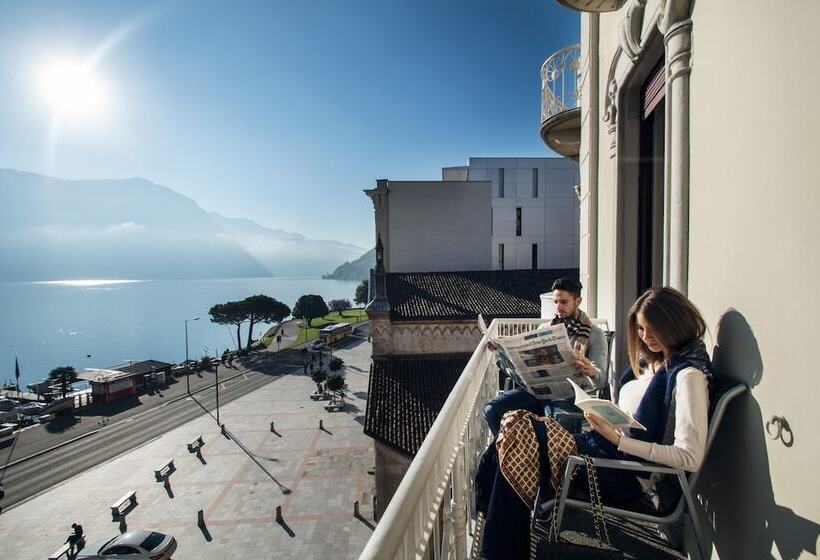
[[674, 320]]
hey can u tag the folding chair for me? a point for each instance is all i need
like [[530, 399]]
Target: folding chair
[[724, 391]]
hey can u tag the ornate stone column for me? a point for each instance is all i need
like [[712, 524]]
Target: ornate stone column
[[678, 42]]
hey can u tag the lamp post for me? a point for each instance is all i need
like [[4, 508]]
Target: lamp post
[[188, 374]]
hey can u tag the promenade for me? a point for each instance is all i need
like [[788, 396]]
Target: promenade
[[314, 475]]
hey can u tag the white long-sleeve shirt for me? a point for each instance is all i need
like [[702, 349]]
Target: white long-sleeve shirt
[[691, 402]]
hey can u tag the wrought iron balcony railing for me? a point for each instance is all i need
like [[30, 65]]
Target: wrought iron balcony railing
[[560, 94], [431, 515]]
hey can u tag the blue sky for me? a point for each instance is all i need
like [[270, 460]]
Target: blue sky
[[280, 111]]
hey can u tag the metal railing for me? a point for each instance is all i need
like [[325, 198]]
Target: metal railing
[[560, 82], [432, 514]]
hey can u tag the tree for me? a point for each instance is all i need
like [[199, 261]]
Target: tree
[[310, 307], [65, 375], [318, 376], [362, 296], [339, 305], [263, 309], [335, 364], [336, 384], [230, 313]]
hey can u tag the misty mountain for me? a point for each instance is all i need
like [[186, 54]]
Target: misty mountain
[[59, 229], [356, 270], [285, 253]]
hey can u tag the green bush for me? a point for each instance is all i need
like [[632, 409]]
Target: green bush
[[336, 364]]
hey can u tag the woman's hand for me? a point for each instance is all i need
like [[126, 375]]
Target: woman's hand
[[585, 366], [610, 432]]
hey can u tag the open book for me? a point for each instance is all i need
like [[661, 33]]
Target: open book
[[541, 360], [607, 410]]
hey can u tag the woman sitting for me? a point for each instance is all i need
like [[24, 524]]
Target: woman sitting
[[666, 390]]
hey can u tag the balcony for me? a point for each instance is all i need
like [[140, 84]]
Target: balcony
[[593, 5], [431, 514], [560, 91]]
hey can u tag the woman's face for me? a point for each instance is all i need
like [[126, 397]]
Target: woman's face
[[647, 336]]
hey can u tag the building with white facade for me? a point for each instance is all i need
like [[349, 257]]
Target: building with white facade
[[535, 211]]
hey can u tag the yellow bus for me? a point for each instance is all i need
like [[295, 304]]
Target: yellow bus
[[332, 333]]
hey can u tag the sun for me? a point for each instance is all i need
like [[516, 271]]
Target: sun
[[72, 90]]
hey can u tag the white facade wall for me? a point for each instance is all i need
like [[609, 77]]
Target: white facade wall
[[751, 261], [550, 220], [438, 226]]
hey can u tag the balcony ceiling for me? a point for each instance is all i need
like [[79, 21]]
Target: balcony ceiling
[[562, 133], [592, 5]]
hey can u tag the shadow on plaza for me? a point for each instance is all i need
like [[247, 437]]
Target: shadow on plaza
[[232, 436]]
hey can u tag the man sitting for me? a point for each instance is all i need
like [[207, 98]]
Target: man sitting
[[590, 359]]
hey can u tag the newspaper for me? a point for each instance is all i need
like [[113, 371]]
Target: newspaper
[[540, 360]]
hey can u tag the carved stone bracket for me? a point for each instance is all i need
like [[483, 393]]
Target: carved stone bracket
[[629, 31]]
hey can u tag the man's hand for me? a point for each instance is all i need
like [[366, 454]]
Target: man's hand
[[490, 346], [585, 366], [610, 432]]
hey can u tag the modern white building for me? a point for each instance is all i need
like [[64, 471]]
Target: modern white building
[[535, 211]]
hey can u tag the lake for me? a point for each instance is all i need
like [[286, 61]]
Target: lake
[[102, 323]]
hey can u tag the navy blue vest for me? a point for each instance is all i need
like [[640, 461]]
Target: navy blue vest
[[653, 411]]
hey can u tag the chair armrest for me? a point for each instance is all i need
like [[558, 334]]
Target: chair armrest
[[640, 466]]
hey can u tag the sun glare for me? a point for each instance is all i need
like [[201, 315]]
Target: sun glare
[[72, 91]]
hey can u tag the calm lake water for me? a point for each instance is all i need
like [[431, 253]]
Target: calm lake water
[[61, 323]]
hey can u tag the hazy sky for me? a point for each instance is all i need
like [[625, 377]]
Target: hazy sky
[[279, 111]]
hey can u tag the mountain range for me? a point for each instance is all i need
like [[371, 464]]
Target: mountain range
[[57, 229]]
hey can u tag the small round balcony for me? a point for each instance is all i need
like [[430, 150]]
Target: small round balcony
[[560, 113], [593, 5]]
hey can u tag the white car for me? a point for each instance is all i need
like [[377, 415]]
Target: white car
[[134, 545]]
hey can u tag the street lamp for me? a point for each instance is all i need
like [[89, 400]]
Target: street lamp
[[188, 373]]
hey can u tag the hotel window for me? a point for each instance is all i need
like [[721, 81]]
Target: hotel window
[[501, 182], [500, 256], [518, 222], [535, 256], [535, 182]]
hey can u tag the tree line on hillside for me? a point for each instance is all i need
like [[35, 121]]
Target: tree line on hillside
[[265, 309]]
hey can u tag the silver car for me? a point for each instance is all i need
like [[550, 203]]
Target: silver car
[[133, 545]]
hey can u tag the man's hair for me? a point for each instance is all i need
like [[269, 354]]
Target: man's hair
[[568, 285]]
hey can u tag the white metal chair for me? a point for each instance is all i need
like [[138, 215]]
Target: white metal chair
[[724, 391]]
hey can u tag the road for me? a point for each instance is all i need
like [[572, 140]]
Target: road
[[39, 473]]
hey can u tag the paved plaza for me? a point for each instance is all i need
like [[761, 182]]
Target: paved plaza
[[314, 475]]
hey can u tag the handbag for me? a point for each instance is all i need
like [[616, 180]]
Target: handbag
[[550, 546]]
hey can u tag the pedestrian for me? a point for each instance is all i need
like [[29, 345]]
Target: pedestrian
[[75, 539]]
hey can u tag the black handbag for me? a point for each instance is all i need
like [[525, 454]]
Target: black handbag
[[549, 546]]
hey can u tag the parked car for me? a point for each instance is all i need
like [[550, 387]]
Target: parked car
[[134, 545], [317, 345]]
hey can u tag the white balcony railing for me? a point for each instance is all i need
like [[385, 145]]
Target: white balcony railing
[[431, 515], [560, 82]]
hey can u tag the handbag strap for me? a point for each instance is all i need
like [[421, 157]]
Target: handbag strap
[[594, 491], [597, 505]]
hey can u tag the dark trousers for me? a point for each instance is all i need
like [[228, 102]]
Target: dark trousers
[[520, 399]]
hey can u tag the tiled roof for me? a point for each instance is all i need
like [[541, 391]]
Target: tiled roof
[[406, 394], [147, 366], [461, 296]]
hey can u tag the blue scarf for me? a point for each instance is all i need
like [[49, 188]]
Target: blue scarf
[[653, 411]]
